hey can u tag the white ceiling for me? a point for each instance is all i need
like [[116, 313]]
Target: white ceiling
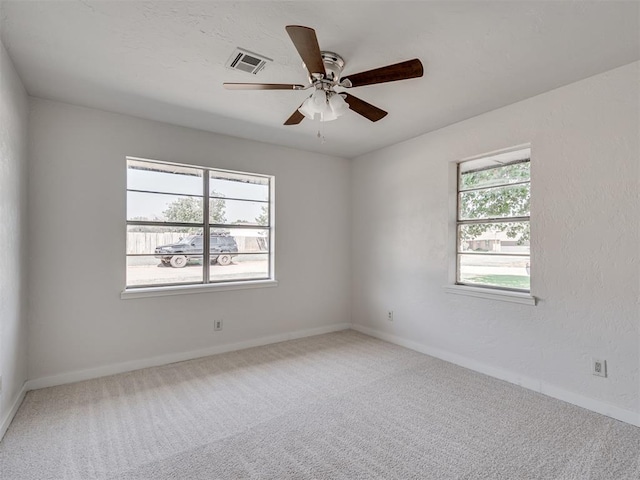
[[164, 60]]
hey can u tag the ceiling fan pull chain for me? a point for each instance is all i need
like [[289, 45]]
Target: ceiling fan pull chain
[[321, 129]]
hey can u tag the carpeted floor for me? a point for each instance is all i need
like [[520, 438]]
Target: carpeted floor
[[337, 406]]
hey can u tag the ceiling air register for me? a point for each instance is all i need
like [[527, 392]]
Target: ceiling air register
[[247, 61]]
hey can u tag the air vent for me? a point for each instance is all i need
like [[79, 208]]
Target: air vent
[[247, 61]]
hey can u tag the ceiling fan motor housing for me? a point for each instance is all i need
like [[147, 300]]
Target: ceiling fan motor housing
[[333, 64]]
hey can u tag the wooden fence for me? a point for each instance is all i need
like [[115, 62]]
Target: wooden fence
[[146, 242]]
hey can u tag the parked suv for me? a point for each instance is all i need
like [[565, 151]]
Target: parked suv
[[189, 249]]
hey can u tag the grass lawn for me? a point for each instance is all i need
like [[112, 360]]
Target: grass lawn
[[506, 281]]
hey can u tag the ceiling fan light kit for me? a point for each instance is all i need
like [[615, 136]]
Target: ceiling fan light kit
[[325, 70], [324, 106]]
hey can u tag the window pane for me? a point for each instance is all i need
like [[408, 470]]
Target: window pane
[[498, 202], [156, 207], [167, 178], [250, 240], [144, 239], [514, 173], [238, 212], [239, 267], [237, 185], [495, 271], [147, 270], [507, 237], [163, 255]]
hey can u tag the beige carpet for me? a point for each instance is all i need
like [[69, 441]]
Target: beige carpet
[[336, 406]]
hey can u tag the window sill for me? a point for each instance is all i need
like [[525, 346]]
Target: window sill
[[492, 294], [190, 289]]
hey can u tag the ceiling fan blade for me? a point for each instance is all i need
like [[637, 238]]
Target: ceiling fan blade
[[306, 42], [365, 109], [262, 86], [295, 118], [390, 73]]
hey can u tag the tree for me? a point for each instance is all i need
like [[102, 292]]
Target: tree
[[217, 208], [263, 218], [185, 209], [512, 201], [189, 210]]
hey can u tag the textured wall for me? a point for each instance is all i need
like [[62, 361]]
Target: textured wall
[[13, 208], [77, 262], [585, 268]]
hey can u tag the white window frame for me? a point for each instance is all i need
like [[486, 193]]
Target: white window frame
[[207, 285], [481, 291]]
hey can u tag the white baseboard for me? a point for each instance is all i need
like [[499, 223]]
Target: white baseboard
[[536, 385], [6, 421], [113, 369]]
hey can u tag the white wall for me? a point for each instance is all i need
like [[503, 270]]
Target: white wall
[[77, 244], [585, 228], [13, 221]]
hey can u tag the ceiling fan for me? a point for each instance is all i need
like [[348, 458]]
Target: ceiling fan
[[325, 69]]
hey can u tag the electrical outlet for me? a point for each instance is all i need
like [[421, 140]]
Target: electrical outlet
[[599, 367], [217, 325], [390, 315]]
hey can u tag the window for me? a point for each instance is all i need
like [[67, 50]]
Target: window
[[190, 225], [493, 235]]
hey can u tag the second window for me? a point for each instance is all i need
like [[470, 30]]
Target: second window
[[493, 215]]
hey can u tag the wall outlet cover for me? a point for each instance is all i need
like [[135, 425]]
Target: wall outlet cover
[[599, 367]]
